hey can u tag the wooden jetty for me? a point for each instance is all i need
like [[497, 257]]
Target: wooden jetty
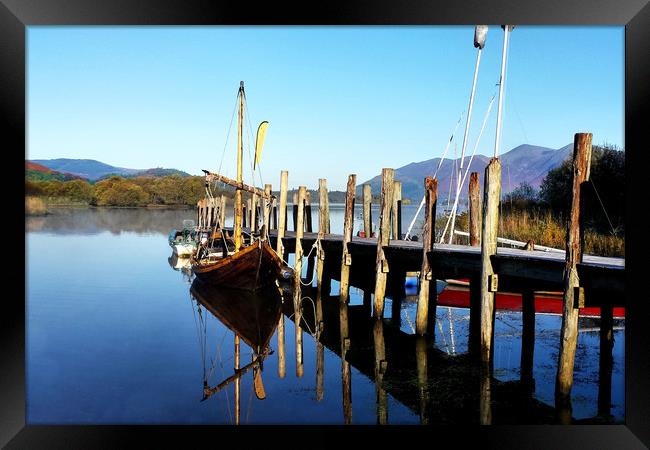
[[379, 264]]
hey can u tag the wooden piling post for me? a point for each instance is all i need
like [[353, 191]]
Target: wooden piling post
[[569, 331], [282, 225], [426, 273], [323, 207], [297, 268], [396, 213], [308, 228], [527, 337], [367, 210], [491, 194], [383, 238], [275, 213], [323, 229], [295, 211], [308, 222], [223, 210], [267, 207], [474, 210], [346, 258], [254, 217]]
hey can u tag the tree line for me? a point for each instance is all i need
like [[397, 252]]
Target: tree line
[[602, 197], [170, 190]]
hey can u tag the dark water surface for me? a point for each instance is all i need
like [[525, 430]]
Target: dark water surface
[[114, 336]]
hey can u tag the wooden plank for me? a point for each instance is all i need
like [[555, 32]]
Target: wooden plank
[[574, 247], [367, 210], [491, 195], [474, 210], [348, 220], [426, 273], [383, 239]]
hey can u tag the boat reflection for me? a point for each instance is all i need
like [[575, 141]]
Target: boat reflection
[[253, 318]]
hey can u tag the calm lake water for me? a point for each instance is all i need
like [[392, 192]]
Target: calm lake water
[[114, 336]]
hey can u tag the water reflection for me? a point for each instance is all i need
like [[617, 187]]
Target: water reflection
[[253, 319], [139, 340]]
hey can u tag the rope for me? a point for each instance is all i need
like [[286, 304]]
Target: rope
[[603, 207], [417, 213], [317, 245]]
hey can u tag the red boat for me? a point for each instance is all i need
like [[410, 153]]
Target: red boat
[[457, 294]]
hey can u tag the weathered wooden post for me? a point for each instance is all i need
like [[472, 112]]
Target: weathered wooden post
[[275, 214], [282, 226], [295, 211], [346, 376], [323, 229], [396, 213], [474, 210], [254, 217], [297, 268], [346, 258], [527, 337], [569, 331], [367, 210], [380, 370], [426, 273], [421, 363], [308, 228], [383, 238], [489, 280], [246, 213], [267, 207], [223, 210], [474, 341]]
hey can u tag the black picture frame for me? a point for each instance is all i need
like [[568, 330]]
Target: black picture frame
[[16, 15]]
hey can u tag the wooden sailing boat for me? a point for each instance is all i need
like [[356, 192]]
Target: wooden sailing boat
[[237, 264], [253, 318]]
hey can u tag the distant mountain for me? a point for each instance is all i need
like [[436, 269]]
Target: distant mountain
[[37, 172], [152, 173], [525, 163], [95, 170]]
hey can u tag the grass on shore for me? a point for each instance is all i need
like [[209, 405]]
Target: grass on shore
[[35, 206], [543, 229]]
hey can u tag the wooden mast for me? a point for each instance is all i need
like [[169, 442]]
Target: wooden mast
[[238, 194]]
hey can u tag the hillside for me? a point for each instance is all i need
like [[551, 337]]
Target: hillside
[[38, 172], [525, 163], [96, 170], [86, 168]]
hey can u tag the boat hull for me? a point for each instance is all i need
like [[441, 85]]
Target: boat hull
[[252, 268]]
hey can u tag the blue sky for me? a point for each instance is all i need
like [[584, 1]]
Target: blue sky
[[339, 100]]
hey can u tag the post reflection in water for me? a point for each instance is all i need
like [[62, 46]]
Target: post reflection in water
[[485, 396], [380, 370], [423, 390], [320, 348], [297, 317], [346, 378]]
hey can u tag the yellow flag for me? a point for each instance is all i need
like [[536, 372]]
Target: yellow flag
[[261, 133]]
